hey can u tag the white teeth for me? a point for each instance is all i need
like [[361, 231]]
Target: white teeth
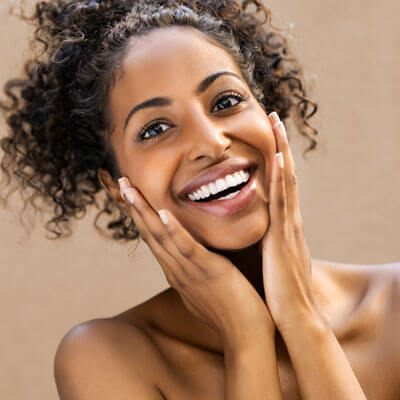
[[219, 185], [213, 188], [229, 196], [244, 174], [238, 177], [231, 181], [205, 190]]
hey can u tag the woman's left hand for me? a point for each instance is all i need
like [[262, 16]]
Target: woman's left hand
[[286, 259]]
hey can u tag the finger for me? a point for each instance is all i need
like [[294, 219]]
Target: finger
[[190, 257], [191, 249], [274, 119], [278, 203], [166, 261], [159, 248], [290, 167]]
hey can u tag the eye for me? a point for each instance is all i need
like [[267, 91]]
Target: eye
[[146, 132], [232, 95]]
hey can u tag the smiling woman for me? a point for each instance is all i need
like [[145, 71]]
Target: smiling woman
[[173, 110]]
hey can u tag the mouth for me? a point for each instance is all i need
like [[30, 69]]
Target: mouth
[[228, 201]]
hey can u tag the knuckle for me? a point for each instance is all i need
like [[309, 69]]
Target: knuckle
[[281, 202], [159, 238], [188, 251], [297, 230], [293, 179], [180, 283]]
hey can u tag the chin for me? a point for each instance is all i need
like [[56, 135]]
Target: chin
[[242, 240]]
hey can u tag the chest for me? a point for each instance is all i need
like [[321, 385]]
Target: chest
[[191, 373]]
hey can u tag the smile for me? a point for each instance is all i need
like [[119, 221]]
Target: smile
[[221, 187], [230, 200]]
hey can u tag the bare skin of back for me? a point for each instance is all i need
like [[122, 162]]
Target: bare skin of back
[[169, 354]]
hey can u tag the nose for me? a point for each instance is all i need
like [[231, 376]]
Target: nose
[[207, 140]]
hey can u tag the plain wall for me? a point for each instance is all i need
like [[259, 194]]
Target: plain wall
[[349, 189]]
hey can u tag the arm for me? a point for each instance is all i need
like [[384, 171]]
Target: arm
[[321, 367], [251, 370]]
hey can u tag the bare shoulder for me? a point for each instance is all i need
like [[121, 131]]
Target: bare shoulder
[[389, 272], [368, 289], [389, 275], [106, 358], [393, 270]]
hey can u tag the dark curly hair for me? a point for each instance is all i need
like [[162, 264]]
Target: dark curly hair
[[57, 114]]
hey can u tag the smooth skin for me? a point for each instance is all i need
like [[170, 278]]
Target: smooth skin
[[250, 314]]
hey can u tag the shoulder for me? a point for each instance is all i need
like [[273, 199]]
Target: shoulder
[[360, 292], [105, 358], [389, 275], [360, 273]]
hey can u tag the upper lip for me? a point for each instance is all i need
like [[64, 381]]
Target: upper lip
[[212, 174]]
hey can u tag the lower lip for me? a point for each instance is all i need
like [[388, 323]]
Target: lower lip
[[231, 206]]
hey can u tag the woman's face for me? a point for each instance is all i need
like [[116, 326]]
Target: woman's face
[[164, 146]]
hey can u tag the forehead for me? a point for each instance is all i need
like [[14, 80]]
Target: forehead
[[170, 58]]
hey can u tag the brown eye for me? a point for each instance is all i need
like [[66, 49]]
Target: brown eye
[[225, 101], [151, 131]]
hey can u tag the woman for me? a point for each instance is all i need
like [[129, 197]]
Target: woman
[[174, 108]]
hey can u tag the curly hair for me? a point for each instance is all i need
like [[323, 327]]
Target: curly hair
[[58, 113]]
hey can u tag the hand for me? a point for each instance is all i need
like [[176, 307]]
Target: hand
[[286, 258], [211, 287]]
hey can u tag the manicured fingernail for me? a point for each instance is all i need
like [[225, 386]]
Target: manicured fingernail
[[279, 156], [281, 128], [123, 184], [274, 117], [130, 196], [163, 216]]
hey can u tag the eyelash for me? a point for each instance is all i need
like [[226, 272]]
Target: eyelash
[[236, 95]]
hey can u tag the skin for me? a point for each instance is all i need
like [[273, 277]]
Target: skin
[[313, 321]]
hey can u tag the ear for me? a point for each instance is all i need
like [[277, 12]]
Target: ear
[[111, 186]]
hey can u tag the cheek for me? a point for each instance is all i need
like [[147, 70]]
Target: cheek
[[151, 183], [255, 129]]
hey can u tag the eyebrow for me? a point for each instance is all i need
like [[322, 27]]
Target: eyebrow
[[166, 101]]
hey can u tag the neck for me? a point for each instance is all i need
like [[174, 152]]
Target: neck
[[249, 263]]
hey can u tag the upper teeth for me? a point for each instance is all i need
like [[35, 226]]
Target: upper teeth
[[219, 185]]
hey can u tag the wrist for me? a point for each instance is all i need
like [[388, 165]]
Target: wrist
[[249, 339], [310, 321]]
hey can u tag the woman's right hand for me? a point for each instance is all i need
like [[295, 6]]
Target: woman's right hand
[[211, 287]]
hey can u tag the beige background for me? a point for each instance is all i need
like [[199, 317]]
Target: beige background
[[349, 190]]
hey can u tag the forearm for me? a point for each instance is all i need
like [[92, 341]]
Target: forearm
[[320, 364], [251, 371]]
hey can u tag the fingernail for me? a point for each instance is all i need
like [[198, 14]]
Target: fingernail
[[279, 156], [123, 184], [282, 129], [130, 196], [163, 216], [274, 117]]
